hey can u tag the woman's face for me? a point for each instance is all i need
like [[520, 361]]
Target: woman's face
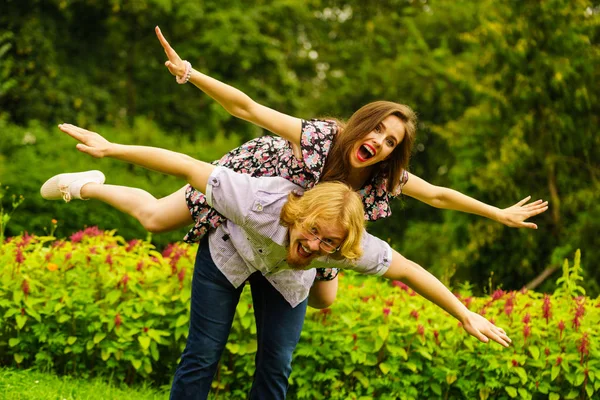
[[379, 144]]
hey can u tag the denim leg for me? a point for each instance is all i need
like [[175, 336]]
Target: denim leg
[[278, 328], [213, 304]]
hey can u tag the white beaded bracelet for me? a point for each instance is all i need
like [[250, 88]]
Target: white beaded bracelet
[[186, 75]]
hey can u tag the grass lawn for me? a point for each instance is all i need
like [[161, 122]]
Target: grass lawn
[[25, 385]]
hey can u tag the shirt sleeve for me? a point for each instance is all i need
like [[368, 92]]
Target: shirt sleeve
[[231, 194], [403, 179], [315, 142], [376, 259]]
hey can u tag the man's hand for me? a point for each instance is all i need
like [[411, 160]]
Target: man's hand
[[90, 142], [484, 330]]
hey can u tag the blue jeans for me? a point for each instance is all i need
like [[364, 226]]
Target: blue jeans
[[213, 305]]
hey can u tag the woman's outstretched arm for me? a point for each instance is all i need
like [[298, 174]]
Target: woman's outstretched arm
[[428, 286], [195, 172], [236, 102], [442, 197]]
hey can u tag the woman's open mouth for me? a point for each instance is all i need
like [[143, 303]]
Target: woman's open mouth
[[365, 152]]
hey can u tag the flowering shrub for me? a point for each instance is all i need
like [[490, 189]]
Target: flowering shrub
[[96, 304], [93, 304]]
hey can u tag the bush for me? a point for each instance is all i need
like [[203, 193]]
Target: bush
[[30, 155], [97, 304]]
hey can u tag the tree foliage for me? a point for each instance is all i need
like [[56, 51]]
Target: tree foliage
[[506, 95]]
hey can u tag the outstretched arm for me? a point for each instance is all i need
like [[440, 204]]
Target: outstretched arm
[[195, 172], [441, 197], [433, 290], [235, 101]]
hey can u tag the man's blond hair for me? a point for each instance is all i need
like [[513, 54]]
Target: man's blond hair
[[328, 203]]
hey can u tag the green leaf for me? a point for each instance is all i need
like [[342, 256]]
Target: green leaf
[[144, 342], [425, 354], [136, 364], [555, 372], [524, 393], [21, 320], [105, 354], [450, 377], [383, 332], [18, 296], [12, 342], [572, 394], [512, 392], [436, 388], [361, 378], [348, 369], [98, 337], [89, 345], [63, 318], [233, 348], [554, 396], [579, 379], [589, 390], [71, 340], [18, 358], [113, 296], [384, 368], [535, 352], [522, 374], [182, 320]]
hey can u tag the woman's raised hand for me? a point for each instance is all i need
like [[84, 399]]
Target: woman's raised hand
[[175, 63], [515, 216], [90, 142]]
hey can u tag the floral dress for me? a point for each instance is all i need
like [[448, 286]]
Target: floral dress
[[274, 156]]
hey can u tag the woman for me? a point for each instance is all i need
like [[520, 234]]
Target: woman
[[370, 153]]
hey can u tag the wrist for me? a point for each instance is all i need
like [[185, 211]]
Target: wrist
[[187, 72]]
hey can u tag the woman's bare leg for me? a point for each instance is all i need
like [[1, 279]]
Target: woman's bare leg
[[155, 215], [323, 293]]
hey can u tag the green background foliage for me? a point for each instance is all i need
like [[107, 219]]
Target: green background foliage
[[506, 95], [97, 305]]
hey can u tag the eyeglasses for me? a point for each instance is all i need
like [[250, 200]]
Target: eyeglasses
[[325, 244]]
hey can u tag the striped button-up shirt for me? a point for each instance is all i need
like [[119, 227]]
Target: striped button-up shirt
[[253, 239]]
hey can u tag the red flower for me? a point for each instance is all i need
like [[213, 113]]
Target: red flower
[[76, 237], [25, 287], [400, 285], [558, 360], [19, 258], [584, 347], [561, 327], [109, 260], [436, 335], [515, 363], [547, 352], [386, 311], [140, 265], [131, 244], [527, 318], [118, 320], [68, 256], [498, 294], [181, 276], [414, 314], [546, 308], [526, 331], [421, 331]]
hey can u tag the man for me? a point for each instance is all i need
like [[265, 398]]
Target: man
[[273, 233]]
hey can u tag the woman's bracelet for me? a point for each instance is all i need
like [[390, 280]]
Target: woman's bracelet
[[186, 75]]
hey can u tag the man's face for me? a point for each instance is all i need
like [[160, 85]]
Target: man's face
[[306, 245]]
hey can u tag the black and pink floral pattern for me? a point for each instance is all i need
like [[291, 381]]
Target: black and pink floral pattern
[[274, 156]]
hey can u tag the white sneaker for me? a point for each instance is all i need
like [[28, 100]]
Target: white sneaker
[[68, 186]]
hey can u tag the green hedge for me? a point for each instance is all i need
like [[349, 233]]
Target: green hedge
[[99, 305], [30, 155]]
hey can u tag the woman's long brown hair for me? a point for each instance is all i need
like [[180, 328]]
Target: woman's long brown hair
[[360, 124]]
